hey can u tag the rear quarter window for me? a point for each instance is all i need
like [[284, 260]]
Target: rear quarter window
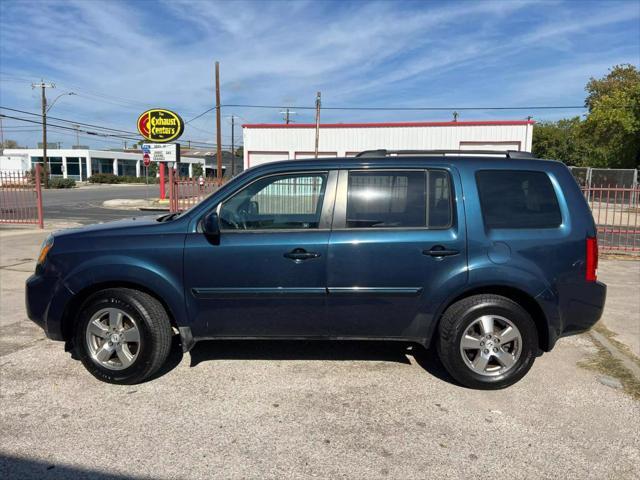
[[517, 199]]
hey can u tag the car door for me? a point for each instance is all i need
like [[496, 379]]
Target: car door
[[397, 247], [266, 274]]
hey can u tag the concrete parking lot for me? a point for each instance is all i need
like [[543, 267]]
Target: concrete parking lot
[[305, 409]]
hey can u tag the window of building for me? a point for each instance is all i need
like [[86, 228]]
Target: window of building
[[127, 167], [54, 164], [101, 165], [292, 201], [182, 169], [517, 199], [394, 199], [73, 168]]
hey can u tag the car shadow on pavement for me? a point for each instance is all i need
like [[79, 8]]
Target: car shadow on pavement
[[26, 468], [352, 350]]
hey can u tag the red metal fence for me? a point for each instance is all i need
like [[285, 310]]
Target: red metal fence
[[184, 193], [616, 211], [21, 197]]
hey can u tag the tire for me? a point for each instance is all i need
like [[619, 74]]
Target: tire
[[507, 361], [122, 336]]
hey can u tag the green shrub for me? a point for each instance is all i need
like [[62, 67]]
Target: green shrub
[[62, 183], [103, 178], [111, 178]]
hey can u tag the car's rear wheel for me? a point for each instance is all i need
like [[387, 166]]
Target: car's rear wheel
[[122, 335], [487, 341]]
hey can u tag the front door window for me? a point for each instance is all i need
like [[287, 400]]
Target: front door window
[[276, 202]]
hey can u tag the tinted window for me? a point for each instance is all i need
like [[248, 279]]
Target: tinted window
[[276, 202], [439, 210], [398, 199], [517, 199]]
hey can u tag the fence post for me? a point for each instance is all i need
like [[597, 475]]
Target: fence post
[[172, 193], [39, 196]]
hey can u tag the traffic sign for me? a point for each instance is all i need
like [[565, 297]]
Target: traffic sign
[[146, 158]]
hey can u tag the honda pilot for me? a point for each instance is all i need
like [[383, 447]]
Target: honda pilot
[[488, 257]]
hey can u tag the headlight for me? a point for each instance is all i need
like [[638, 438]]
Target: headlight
[[44, 250]]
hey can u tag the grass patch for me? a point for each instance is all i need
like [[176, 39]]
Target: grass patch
[[611, 336], [604, 362]]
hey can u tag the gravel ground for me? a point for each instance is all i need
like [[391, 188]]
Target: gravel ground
[[304, 409]]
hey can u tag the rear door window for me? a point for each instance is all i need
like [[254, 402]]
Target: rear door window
[[398, 199], [517, 199]]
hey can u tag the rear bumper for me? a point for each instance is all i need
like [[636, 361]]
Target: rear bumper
[[573, 309], [580, 314], [45, 298]]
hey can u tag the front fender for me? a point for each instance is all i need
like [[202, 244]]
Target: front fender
[[124, 270]]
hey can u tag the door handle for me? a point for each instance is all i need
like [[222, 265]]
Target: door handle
[[440, 251], [300, 254]]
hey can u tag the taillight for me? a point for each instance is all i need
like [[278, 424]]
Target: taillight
[[591, 274]]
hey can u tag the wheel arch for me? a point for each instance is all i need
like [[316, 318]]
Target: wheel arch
[[74, 306], [521, 297]]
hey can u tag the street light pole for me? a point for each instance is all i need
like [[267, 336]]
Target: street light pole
[[233, 147], [45, 162]]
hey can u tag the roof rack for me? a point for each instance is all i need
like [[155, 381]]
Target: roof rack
[[389, 153]]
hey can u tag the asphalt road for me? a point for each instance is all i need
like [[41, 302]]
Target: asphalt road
[[84, 205]]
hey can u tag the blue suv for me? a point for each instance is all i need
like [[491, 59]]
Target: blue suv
[[489, 257]]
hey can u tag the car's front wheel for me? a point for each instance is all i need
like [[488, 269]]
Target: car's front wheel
[[487, 341], [122, 335]]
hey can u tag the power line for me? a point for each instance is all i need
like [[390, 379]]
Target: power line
[[544, 107], [193, 143], [102, 131]]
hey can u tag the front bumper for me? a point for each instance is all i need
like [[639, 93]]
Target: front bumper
[[45, 299]]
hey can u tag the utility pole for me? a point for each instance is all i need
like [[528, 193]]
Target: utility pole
[[218, 127], [77, 127], [1, 138], [233, 147], [317, 123], [287, 115], [45, 161]]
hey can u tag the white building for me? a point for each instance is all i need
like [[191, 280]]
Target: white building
[[80, 164], [272, 142]]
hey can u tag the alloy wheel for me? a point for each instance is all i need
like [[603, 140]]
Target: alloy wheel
[[113, 339], [491, 345]]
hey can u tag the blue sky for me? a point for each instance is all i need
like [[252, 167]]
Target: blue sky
[[122, 57]]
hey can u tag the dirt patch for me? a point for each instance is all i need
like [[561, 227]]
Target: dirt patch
[[604, 362]]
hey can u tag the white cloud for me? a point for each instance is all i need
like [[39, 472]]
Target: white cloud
[[122, 57]]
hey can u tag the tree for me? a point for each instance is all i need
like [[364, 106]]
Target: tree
[[196, 169], [10, 144], [561, 140], [613, 124], [623, 77], [153, 169], [609, 136]]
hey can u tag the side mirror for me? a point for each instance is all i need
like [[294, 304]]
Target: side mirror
[[211, 225]]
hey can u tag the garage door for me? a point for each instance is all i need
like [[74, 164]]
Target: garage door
[[312, 154], [258, 158], [506, 145]]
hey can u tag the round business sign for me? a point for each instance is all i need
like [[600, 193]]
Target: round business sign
[[160, 125], [146, 158]]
